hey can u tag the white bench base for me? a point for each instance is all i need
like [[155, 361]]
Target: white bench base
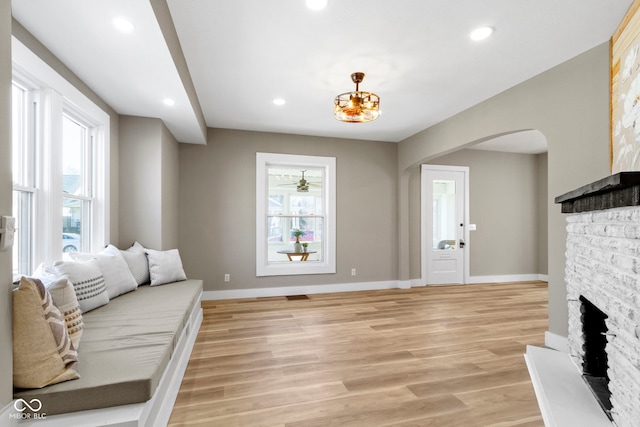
[[154, 412]]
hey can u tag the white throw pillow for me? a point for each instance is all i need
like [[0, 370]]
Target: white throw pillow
[[165, 267], [138, 263], [87, 280], [117, 276]]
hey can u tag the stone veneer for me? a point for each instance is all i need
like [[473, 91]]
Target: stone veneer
[[603, 265]]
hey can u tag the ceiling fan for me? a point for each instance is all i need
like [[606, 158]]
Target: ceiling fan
[[302, 186]]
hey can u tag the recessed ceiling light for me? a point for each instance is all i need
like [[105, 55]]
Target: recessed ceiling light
[[316, 4], [279, 101], [123, 25], [481, 33], [169, 102]]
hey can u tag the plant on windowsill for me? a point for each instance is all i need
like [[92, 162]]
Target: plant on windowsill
[[297, 247]]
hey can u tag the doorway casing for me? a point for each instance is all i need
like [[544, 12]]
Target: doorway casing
[[426, 218]]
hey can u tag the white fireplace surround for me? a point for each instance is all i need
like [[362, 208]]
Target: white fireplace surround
[[603, 266]]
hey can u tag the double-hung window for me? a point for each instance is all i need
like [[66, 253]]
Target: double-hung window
[[24, 105], [77, 183], [60, 161], [296, 209]]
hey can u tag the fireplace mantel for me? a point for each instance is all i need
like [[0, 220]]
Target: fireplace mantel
[[615, 191]]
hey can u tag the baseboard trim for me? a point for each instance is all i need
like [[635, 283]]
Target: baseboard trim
[[304, 290], [556, 342], [351, 287], [509, 278]]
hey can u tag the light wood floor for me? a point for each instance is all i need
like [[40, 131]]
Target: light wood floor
[[433, 356]]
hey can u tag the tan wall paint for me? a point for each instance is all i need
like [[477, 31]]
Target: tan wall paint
[[149, 176], [541, 212], [217, 208], [170, 189], [502, 203], [569, 104], [6, 353]]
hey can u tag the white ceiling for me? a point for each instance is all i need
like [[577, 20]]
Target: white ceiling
[[241, 54]]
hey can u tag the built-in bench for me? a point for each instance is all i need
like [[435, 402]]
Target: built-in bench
[[132, 358]]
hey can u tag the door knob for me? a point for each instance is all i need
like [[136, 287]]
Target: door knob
[[462, 243]]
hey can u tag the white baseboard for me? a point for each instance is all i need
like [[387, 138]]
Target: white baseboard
[[351, 287], [556, 342], [303, 290], [509, 278]]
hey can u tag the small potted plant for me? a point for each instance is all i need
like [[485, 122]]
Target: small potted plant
[[297, 247], [304, 246]]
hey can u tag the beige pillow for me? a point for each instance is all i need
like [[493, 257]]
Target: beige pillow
[[64, 297], [42, 350]]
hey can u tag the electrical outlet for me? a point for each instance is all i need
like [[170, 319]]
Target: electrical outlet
[[227, 277], [353, 271]]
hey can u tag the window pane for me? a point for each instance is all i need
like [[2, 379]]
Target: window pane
[[276, 204], [73, 157], [444, 215], [73, 213], [22, 134], [279, 226], [22, 250], [295, 204], [19, 130]]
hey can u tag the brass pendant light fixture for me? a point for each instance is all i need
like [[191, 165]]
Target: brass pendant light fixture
[[358, 106]]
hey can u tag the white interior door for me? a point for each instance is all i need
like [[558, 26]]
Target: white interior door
[[444, 218]]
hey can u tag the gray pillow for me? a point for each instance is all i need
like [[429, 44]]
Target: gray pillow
[[165, 267], [136, 258]]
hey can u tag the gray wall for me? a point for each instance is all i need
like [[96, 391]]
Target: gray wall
[[541, 212], [149, 175], [217, 208], [503, 205], [6, 379], [569, 104], [170, 161]]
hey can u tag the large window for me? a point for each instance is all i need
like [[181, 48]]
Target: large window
[[295, 214], [23, 107], [77, 183], [60, 163]]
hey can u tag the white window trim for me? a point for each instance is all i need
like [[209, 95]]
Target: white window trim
[[328, 265], [59, 95]]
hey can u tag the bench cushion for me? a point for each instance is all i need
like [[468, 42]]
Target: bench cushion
[[125, 349]]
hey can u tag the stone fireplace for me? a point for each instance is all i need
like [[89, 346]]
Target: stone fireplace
[[602, 275]]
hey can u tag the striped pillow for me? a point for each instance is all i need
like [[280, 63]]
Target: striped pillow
[[87, 281], [58, 326], [43, 353]]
